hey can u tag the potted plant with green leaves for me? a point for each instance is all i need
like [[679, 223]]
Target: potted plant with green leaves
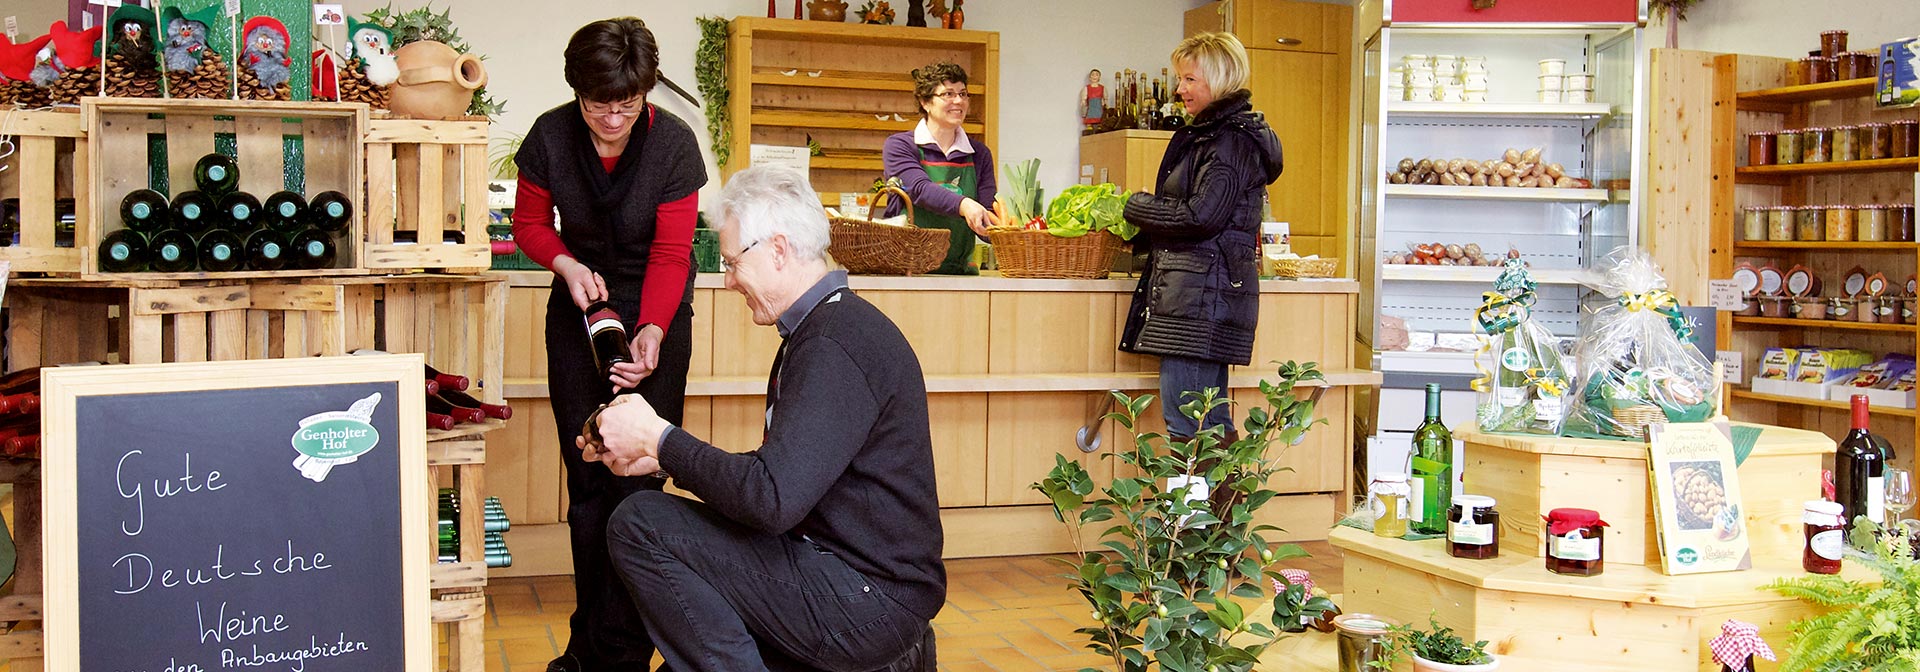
[[1171, 580], [1436, 650], [1861, 626]]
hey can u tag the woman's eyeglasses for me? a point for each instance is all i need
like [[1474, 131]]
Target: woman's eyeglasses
[[628, 108], [951, 96]]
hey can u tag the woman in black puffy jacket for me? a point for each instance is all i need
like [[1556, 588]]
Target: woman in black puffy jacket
[[1198, 302]]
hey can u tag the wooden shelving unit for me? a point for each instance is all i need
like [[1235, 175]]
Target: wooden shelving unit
[[846, 99], [1748, 97]]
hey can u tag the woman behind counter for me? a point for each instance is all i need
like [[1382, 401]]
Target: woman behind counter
[[625, 177], [1198, 301], [947, 174]]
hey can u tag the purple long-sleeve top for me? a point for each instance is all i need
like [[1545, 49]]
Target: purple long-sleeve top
[[900, 156]]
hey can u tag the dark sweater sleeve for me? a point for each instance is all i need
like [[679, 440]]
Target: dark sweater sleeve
[[899, 158], [1208, 207], [987, 185], [825, 413]]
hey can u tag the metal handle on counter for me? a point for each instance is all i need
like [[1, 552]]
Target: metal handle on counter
[[1088, 437], [1288, 41]]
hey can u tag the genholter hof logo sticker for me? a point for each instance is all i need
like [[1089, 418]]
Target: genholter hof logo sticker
[[330, 439]]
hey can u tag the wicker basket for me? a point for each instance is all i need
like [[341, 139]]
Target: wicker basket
[[867, 248], [1305, 268], [1636, 419], [1037, 254]]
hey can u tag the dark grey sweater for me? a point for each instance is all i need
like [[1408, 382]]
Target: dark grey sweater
[[848, 457]]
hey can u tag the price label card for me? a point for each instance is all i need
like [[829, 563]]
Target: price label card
[[1725, 294], [233, 7], [329, 15], [1731, 363], [104, 3], [13, 29]]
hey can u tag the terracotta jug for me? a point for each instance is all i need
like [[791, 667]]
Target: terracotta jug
[[435, 82], [827, 10]]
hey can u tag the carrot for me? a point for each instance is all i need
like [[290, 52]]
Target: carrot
[[1000, 212]]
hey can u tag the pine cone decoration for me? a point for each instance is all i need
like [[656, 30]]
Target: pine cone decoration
[[250, 88], [26, 95], [207, 81], [354, 87], [126, 82], [73, 84]]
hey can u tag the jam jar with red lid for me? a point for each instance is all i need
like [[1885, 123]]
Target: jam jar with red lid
[[1576, 542], [1826, 537]]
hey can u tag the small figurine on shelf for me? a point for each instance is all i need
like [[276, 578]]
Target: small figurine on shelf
[[132, 66], [956, 18], [876, 12], [917, 13], [325, 74], [16, 72], [1736, 646], [194, 68], [370, 66], [773, 13], [69, 65], [1093, 101], [833, 11], [268, 68]]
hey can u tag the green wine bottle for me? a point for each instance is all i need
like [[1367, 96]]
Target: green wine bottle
[[144, 210], [312, 249], [222, 251], [239, 212], [1432, 470], [286, 212], [267, 250], [330, 211], [172, 251], [216, 174], [123, 251], [193, 211]]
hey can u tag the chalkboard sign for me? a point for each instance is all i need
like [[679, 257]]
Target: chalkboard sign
[[237, 515]]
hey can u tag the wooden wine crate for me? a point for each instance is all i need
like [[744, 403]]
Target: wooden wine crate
[[424, 179], [306, 147], [56, 321], [46, 169], [457, 321], [22, 645]]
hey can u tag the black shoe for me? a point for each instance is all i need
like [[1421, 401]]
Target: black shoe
[[565, 663]]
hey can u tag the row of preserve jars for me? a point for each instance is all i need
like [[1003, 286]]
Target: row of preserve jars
[[1832, 223], [1864, 142]]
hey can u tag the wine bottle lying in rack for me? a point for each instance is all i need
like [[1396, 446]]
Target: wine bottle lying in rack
[[440, 422], [26, 446], [221, 251], [266, 250], [123, 251], [23, 403], [447, 381], [193, 211], [144, 210], [285, 211], [172, 251], [436, 404], [313, 249], [463, 400], [216, 174], [330, 211]]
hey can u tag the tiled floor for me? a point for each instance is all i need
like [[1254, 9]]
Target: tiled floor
[[1002, 615]]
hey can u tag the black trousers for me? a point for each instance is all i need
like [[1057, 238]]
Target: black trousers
[[721, 597], [607, 633]]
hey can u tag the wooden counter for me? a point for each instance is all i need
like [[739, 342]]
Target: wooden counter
[[1014, 368], [1635, 616]]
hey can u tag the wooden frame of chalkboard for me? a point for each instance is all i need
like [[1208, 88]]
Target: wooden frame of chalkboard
[[249, 514]]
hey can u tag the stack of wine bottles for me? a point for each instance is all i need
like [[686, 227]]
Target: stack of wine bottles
[[495, 524], [449, 405], [20, 414], [218, 228]]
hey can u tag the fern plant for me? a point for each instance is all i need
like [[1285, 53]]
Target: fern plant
[[421, 23], [1866, 627], [1163, 579]]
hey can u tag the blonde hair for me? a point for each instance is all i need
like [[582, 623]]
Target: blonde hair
[[1219, 57]]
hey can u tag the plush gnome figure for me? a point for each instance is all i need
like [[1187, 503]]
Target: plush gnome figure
[[326, 74], [265, 52], [133, 38], [373, 45], [186, 43], [17, 60]]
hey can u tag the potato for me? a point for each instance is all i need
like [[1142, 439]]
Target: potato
[[1455, 251], [1513, 181], [1478, 180], [1505, 169], [1456, 165], [1563, 182], [1556, 171], [1407, 165], [1397, 178], [1511, 156], [1531, 155], [1529, 181], [1446, 179]]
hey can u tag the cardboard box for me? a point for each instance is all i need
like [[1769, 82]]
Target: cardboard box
[[1898, 83]]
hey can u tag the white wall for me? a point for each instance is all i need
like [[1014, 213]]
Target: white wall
[[1790, 28], [1046, 49]]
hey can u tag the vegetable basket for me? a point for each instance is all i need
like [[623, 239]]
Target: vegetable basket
[[869, 248], [1038, 254], [1305, 268]]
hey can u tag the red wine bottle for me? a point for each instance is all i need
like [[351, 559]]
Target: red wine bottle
[[433, 386], [1859, 469], [436, 404], [24, 403], [25, 446], [462, 399], [447, 381], [440, 422], [609, 337]]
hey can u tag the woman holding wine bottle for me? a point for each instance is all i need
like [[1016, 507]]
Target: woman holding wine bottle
[[625, 177]]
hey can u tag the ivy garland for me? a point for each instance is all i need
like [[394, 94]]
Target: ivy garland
[[710, 68]]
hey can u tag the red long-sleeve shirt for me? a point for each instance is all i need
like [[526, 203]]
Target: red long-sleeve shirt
[[669, 258]]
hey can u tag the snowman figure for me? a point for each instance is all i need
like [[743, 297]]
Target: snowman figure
[[374, 47]]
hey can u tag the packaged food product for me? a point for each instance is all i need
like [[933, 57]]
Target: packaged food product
[[1523, 381], [1638, 365]]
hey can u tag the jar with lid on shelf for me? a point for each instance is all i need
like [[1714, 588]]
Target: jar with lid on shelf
[[1754, 223], [1576, 542], [1799, 72], [1887, 309], [1816, 145], [1786, 147], [1905, 138], [1809, 225], [1841, 307], [1855, 65], [1818, 69], [1876, 141], [1387, 497], [1846, 143], [1871, 223], [1780, 223], [1760, 150], [1900, 223], [1473, 528], [1840, 223], [1833, 43], [1810, 308], [1866, 310]]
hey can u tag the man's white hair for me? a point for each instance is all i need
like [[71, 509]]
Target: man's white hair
[[774, 199]]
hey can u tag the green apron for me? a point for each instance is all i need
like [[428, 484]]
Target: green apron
[[962, 179]]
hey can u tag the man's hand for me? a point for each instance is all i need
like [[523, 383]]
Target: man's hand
[[645, 350], [585, 285], [629, 437]]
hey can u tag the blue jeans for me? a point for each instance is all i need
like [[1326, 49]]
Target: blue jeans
[[1180, 375]]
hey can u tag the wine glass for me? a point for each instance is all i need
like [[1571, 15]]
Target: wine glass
[[1899, 494]]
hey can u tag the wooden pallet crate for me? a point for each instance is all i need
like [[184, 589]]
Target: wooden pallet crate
[[22, 646], [56, 321], [48, 168], [457, 460], [424, 179], [125, 135], [457, 321]]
